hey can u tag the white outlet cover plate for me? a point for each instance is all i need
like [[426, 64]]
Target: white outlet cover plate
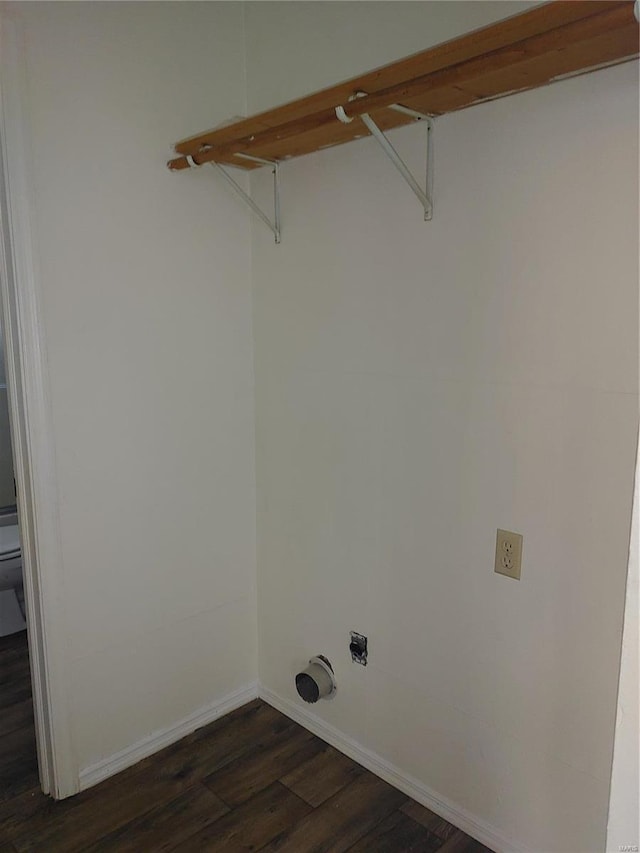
[[508, 554]]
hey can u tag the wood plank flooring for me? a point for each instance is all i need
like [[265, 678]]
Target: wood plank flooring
[[253, 780]]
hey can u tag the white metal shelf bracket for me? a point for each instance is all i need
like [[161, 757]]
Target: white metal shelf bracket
[[424, 196], [274, 226]]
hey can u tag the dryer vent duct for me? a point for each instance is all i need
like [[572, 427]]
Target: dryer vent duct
[[317, 681]]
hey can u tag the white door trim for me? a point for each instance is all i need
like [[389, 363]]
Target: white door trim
[[31, 420]]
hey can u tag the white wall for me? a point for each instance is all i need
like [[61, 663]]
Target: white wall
[[418, 386], [7, 491], [147, 312], [295, 48], [624, 804]]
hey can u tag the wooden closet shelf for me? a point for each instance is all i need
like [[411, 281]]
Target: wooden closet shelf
[[555, 40]]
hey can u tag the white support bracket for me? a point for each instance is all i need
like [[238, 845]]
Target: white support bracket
[[424, 196], [272, 226]]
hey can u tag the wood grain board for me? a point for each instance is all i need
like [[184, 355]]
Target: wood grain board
[[552, 41], [252, 780]]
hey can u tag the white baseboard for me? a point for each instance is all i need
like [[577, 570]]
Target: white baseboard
[[415, 789], [165, 737], [411, 786]]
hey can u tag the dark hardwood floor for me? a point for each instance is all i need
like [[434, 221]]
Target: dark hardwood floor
[[253, 780]]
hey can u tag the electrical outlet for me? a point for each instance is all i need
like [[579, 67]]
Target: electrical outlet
[[358, 648], [508, 554]]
